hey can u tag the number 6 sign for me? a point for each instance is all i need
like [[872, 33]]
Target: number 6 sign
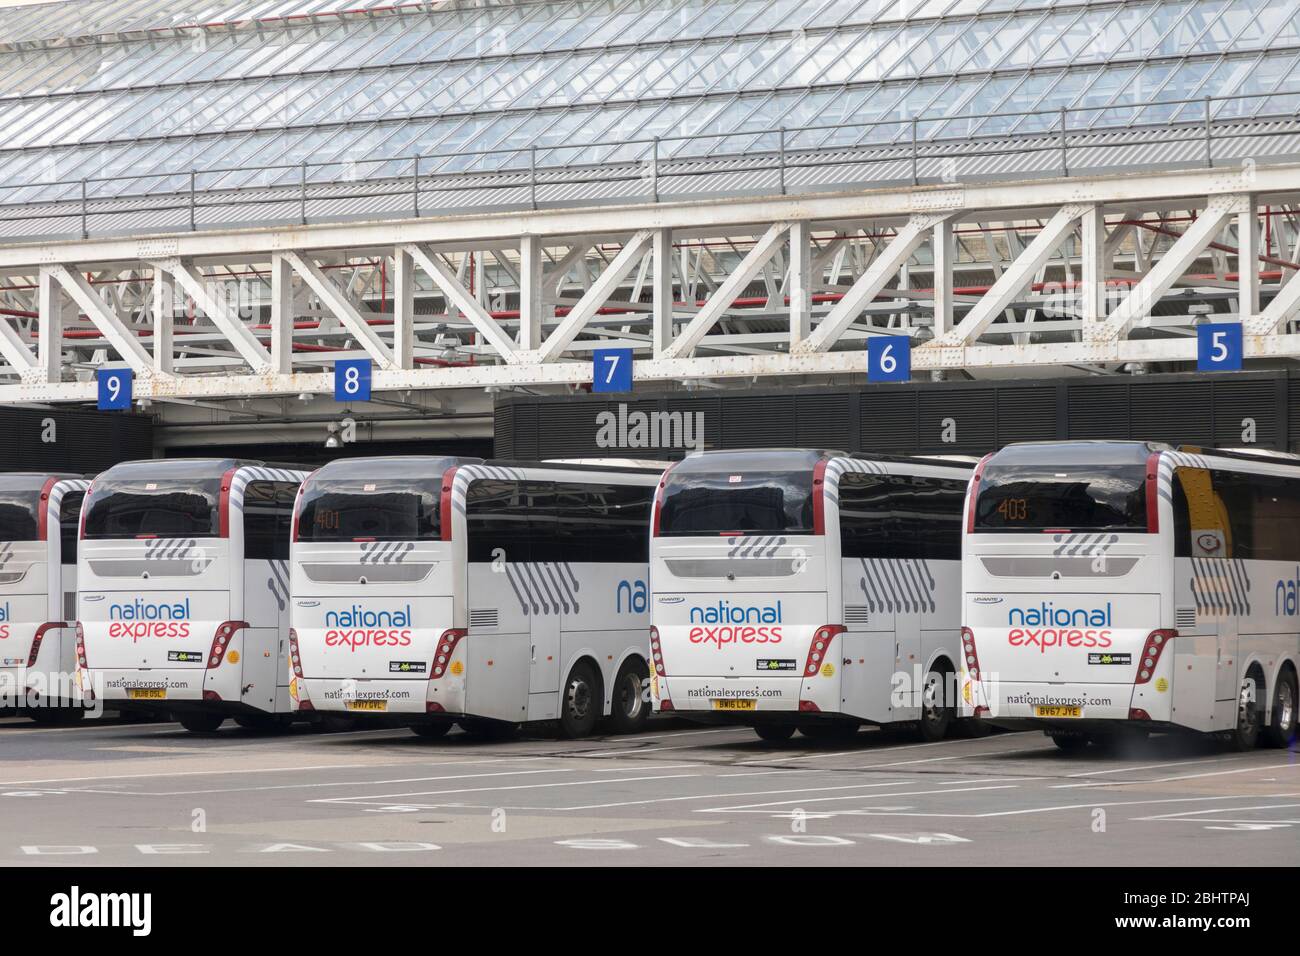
[[114, 389], [352, 380], [611, 370], [1218, 347], [889, 358]]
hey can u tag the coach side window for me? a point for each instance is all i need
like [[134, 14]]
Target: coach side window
[[512, 519], [900, 516], [268, 518], [69, 526], [602, 523]]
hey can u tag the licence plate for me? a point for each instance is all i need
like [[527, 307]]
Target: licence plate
[[366, 705], [146, 693], [735, 704], [1042, 711]]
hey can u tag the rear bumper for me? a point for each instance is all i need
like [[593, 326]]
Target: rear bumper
[[1012, 703], [698, 694], [408, 697], [177, 685]]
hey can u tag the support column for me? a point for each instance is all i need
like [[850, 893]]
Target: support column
[[1092, 276], [281, 315], [662, 327], [403, 309], [944, 250], [531, 298], [49, 342], [1248, 250], [801, 282], [164, 320]]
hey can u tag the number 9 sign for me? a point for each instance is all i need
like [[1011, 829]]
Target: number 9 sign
[[1218, 347], [114, 389], [889, 358], [352, 380]]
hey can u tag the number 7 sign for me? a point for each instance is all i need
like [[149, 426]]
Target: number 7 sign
[[889, 358], [611, 370]]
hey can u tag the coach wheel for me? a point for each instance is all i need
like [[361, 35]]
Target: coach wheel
[[630, 708], [432, 730], [581, 702], [937, 711], [336, 724], [774, 733], [480, 728], [201, 723], [262, 723], [1070, 743], [56, 716], [1281, 727], [1246, 734]]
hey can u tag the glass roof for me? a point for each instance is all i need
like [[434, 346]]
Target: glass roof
[[148, 88]]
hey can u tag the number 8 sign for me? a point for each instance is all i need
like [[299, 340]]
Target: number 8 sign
[[889, 358], [352, 380]]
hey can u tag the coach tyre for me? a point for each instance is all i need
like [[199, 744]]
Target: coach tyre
[[201, 723], [1246, 734], [581, 701], [774, 733], [630, 708], [937, 706], [1069, 741], [431, 730], [1281, 727]]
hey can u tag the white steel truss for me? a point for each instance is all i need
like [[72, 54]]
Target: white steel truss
[[1086, 273]]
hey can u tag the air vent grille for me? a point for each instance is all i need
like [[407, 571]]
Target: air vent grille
[[856, 614], [1185, 617], [483, 617]]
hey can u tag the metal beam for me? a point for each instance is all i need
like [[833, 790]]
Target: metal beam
[[1013, 280], [594, 297], [1138, 304], [281, 315], [403, 309], [460, 297], [49, 334], [347, 313], [801, 282], [239, 335], [122, 339], [882, 269], [661, 331], [943, 248], [164, 321], [732, 286], [532, 301]]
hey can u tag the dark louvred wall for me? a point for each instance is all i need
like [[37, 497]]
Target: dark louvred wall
[[86, 442], [916, 418]]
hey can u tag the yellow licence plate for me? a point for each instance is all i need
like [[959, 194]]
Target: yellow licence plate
[[1042, 711], [366, 705], [146, 693], [735, 704]]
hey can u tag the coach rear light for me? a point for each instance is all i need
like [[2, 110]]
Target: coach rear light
[[1156, 642], [220, 641], [446, 645], [656, 652], [820, 642], [972, 656], [81, 646], [293, 653], [40, 635]]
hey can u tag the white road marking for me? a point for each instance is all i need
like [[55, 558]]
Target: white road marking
[[397, 797], [1188, 776], [1183, 816], [752, 807], [725, 796]]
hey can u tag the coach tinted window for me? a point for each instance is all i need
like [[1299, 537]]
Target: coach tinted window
[[510, 519], [19, 512], [154, 508], [603, 523], [740, 493], [268, 516], [1033, 498], [370, 508], [69, 526]]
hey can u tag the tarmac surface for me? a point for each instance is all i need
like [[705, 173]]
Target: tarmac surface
[[105, 793]]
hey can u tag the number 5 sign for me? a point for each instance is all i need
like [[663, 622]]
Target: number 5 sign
[[611, 370], [1218, 347], [889, 358], [352, 380]]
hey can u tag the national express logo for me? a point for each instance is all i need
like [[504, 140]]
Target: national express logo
[[4, 620], [141, 618], [1047, 625], [726, 623], [358, 626]]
